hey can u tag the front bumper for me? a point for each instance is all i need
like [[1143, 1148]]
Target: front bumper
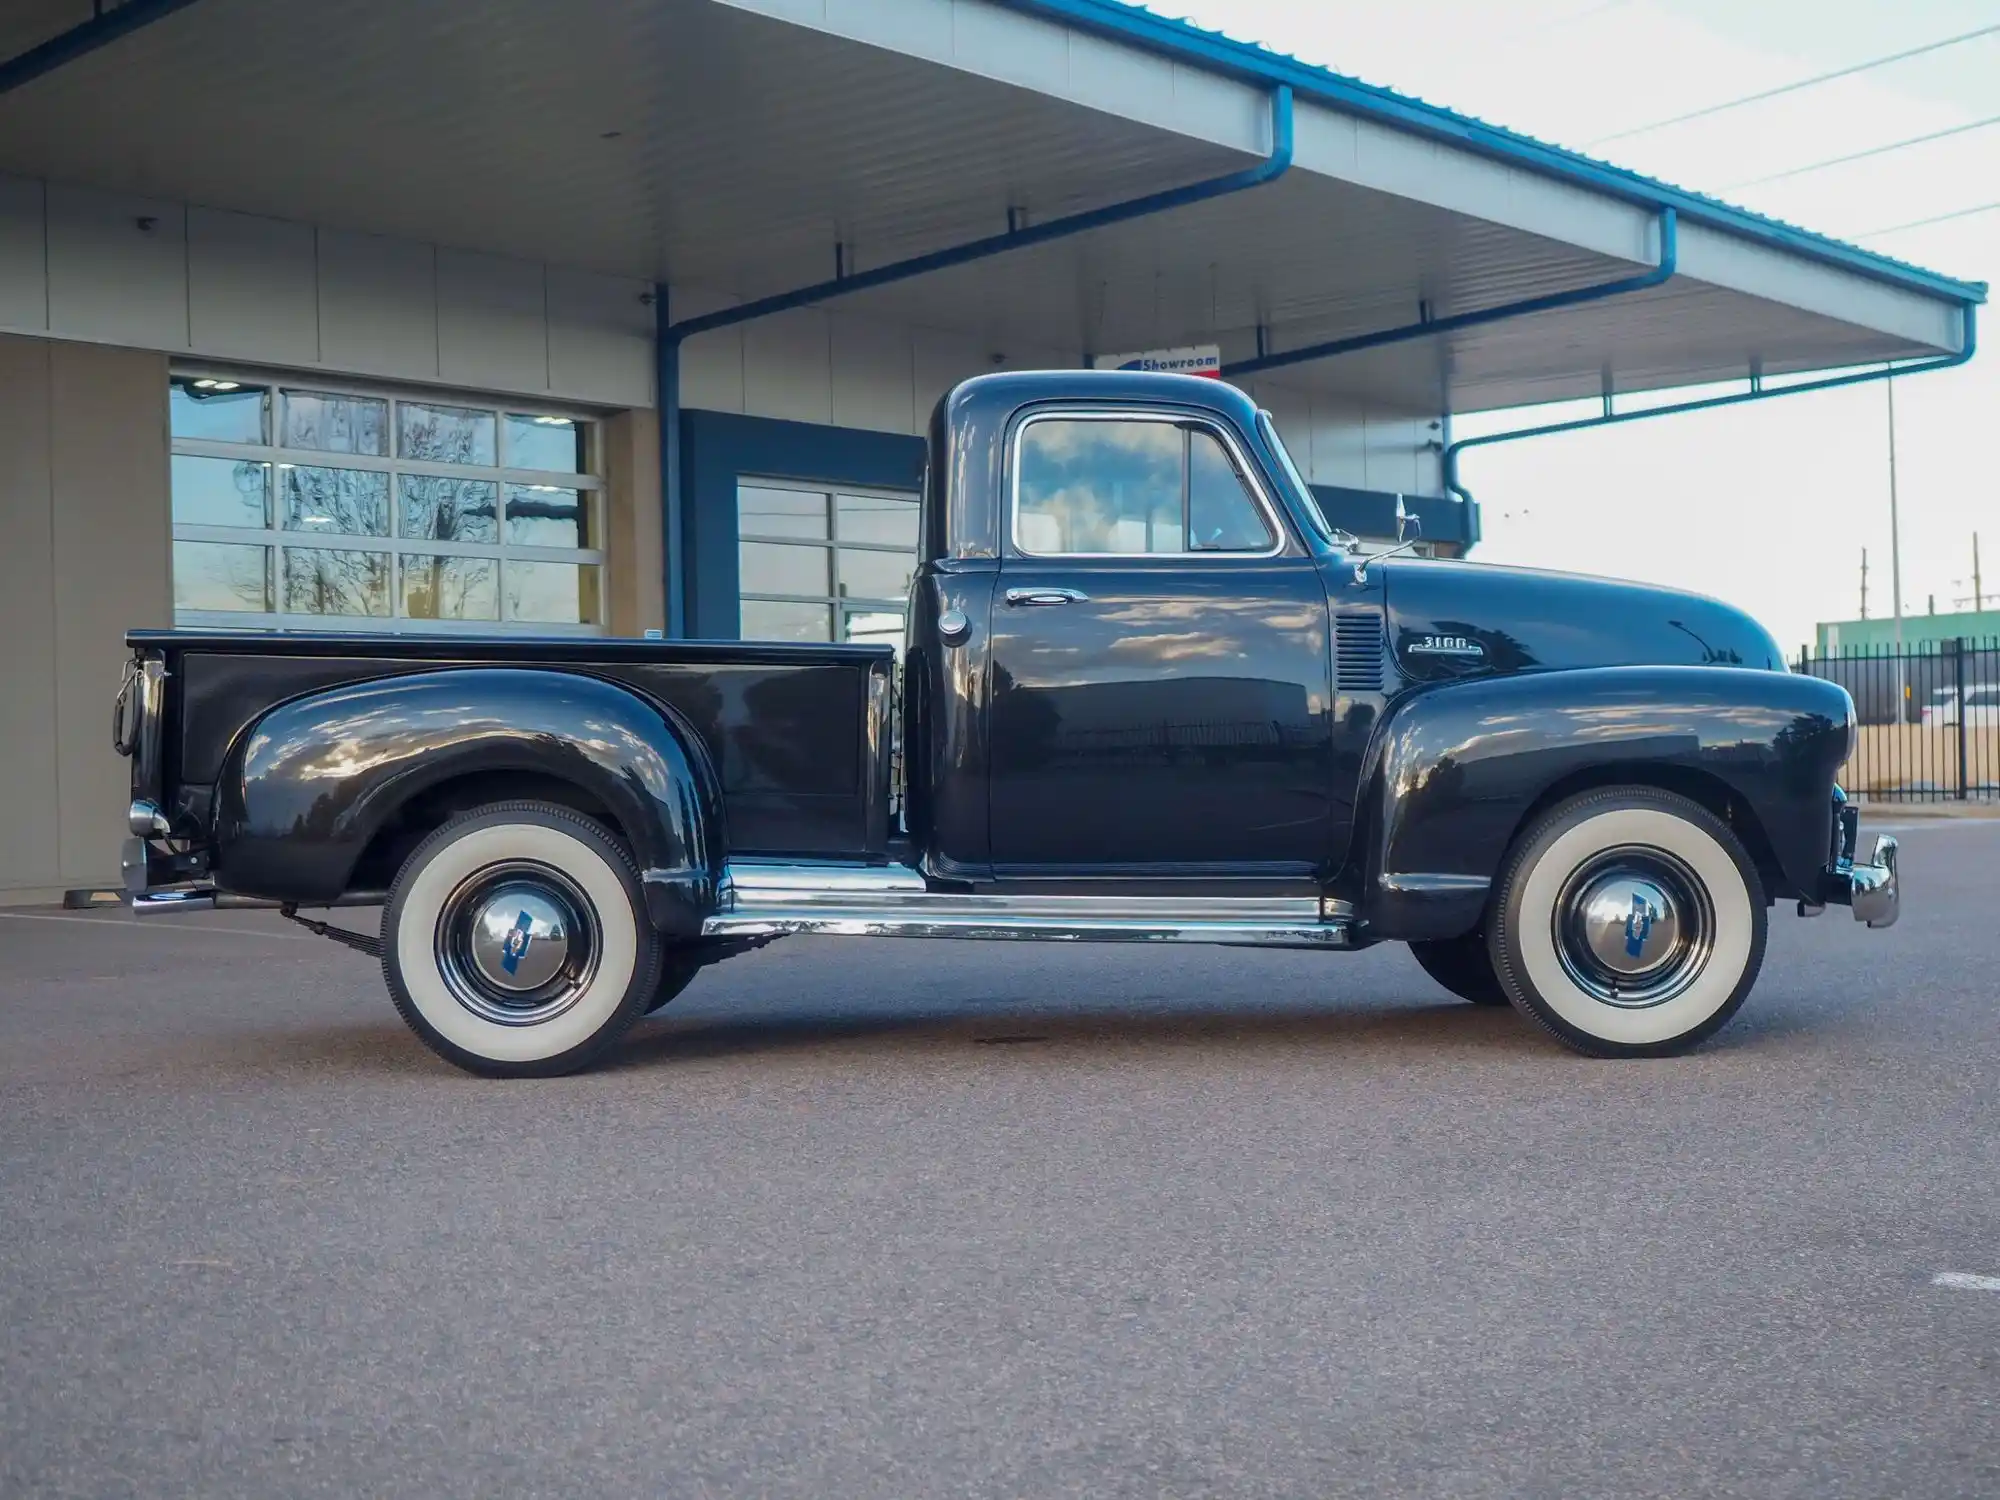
[[1872, 890]]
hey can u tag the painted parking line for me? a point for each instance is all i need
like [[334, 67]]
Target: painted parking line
[[1966, 1281], [177, 931]]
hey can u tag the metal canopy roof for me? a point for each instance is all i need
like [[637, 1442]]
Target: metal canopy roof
[[705, 143]]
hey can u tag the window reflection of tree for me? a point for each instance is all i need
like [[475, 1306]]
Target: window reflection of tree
[[343, 502], [322, 581]]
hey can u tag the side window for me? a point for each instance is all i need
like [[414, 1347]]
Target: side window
[[1221, 515], [1127, 488]]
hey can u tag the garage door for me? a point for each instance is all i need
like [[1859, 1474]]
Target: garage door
[[818, 563], [312, 506]]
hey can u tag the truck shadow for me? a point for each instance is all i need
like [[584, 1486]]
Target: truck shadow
[[1430, 1029]]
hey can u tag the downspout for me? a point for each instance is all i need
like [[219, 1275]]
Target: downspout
[[669, 336], [1758, 391], [101, 30], [1429, 327]]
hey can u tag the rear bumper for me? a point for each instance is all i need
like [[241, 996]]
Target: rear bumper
[[1872, 890]]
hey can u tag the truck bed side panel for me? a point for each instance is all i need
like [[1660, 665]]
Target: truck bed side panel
[[786, 729]]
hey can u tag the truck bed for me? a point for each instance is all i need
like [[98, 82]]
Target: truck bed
[[800, 756]]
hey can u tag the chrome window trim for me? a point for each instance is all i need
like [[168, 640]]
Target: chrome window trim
[[1244, 468]]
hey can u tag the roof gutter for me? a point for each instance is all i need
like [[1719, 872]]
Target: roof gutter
[[101, 30], [1427, 327], [1758, 391], [670, 335], [1248, 63]]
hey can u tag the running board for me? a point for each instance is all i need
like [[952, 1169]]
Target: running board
[[762, 900]]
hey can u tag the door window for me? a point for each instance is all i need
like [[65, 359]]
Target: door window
[[1132, 487]]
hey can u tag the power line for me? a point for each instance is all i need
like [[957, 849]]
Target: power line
[[1957, 213], [1841, 161], [1803, 83]]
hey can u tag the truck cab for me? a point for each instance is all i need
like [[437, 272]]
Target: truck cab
[[1147, 694]]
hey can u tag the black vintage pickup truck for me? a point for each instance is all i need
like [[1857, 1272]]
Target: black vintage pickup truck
[[1148, 694]]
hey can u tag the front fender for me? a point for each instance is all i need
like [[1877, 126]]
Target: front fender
[[1453, 771], [311, 782]]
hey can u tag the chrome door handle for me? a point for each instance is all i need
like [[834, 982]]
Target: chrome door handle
[[1047, 596]]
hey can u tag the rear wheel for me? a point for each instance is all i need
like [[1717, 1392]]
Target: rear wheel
[[1629, 922], [1463, 966], [516, 942]]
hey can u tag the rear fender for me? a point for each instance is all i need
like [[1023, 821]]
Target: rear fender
[[1455, 770], [310, 783]]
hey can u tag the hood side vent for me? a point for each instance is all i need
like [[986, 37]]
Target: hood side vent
[[1357, 652]]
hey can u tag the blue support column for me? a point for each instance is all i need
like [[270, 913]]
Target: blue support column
[[673, 528]]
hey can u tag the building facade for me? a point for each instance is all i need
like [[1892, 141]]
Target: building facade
[[350, 318]]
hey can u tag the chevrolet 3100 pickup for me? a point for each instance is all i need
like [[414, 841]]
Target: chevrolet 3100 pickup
[[1147, 694]]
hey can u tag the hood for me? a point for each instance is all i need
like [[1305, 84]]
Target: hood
[[1459, 619]]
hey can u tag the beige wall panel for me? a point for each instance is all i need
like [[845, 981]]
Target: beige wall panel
[[29, 830], [632, 526], [108, 457]]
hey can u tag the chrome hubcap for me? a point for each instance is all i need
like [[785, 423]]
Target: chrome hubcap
[[1634, 926], [518, 943]]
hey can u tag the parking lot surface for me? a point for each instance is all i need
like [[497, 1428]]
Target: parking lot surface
[[909, 1219]]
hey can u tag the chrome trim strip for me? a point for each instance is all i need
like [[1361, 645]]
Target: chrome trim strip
[[877, 739], [1247, 470], [1429, 883], [921, 923], [777, 880], [770, 898]]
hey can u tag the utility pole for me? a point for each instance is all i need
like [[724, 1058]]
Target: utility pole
[[1977, 602], [1896, 561], [1864, 583]]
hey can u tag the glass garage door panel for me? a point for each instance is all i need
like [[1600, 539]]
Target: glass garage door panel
[[310, 507], [823, 564]]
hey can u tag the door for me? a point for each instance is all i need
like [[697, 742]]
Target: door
[[1160, 667]]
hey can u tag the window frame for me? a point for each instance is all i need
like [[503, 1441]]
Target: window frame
[[1252, 479], [275, 457], [830, 491]]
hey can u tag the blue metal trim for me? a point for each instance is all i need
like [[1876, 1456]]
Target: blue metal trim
[[1270, 169], [79, 41], [673, 528], [1426, 327], [1257, 65], [720, 448], [1758, 391]]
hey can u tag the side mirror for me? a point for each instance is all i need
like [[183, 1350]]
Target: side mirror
[[1408, 530]]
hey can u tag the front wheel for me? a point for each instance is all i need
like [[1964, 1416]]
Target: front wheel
[[1629, 922], [516, 942]]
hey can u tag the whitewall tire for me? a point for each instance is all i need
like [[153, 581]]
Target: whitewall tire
[[516, 943], [1629, 922]]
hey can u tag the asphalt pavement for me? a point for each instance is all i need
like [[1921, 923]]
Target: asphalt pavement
[[864, 1219]]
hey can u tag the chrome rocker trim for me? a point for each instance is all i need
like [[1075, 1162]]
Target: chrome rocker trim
[[765, 900]]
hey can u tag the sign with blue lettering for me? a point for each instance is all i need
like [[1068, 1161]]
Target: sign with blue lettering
[[1191, 359]]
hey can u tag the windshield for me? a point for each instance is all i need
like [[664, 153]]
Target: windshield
[[1310, 503]]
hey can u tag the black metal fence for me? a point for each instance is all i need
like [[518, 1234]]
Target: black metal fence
[[1930, 719]]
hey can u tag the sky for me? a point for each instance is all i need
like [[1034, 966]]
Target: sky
[[1768, 505]]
